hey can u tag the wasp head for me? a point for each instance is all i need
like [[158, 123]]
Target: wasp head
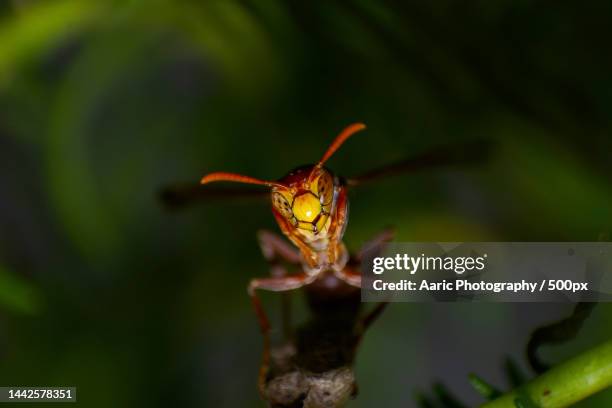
[[307, 198]]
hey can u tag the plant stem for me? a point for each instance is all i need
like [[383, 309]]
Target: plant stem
[[565, 384]]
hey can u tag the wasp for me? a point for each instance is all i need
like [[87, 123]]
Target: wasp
[[311, 207]]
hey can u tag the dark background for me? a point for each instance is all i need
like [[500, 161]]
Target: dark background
[[103, 103]]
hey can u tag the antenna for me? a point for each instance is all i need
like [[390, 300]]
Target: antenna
[[339, 140], [238, 178]]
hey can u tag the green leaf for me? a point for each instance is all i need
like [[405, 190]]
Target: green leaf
[[484, 388]]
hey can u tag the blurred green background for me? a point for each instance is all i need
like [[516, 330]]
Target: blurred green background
[[104, 102]]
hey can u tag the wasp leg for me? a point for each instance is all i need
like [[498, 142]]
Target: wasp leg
[[275, 284], [376, 245], [275, 249], [274, 246], [351, 274]]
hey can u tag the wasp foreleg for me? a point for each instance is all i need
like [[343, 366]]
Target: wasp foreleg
[[274, 247], [276, 250], [275, 284]]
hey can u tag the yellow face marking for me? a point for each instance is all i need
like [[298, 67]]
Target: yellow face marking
[[321, 222], [306, 226], [306, 207]]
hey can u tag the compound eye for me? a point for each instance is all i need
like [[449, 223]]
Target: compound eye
[[282, 205], [325, 188]]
